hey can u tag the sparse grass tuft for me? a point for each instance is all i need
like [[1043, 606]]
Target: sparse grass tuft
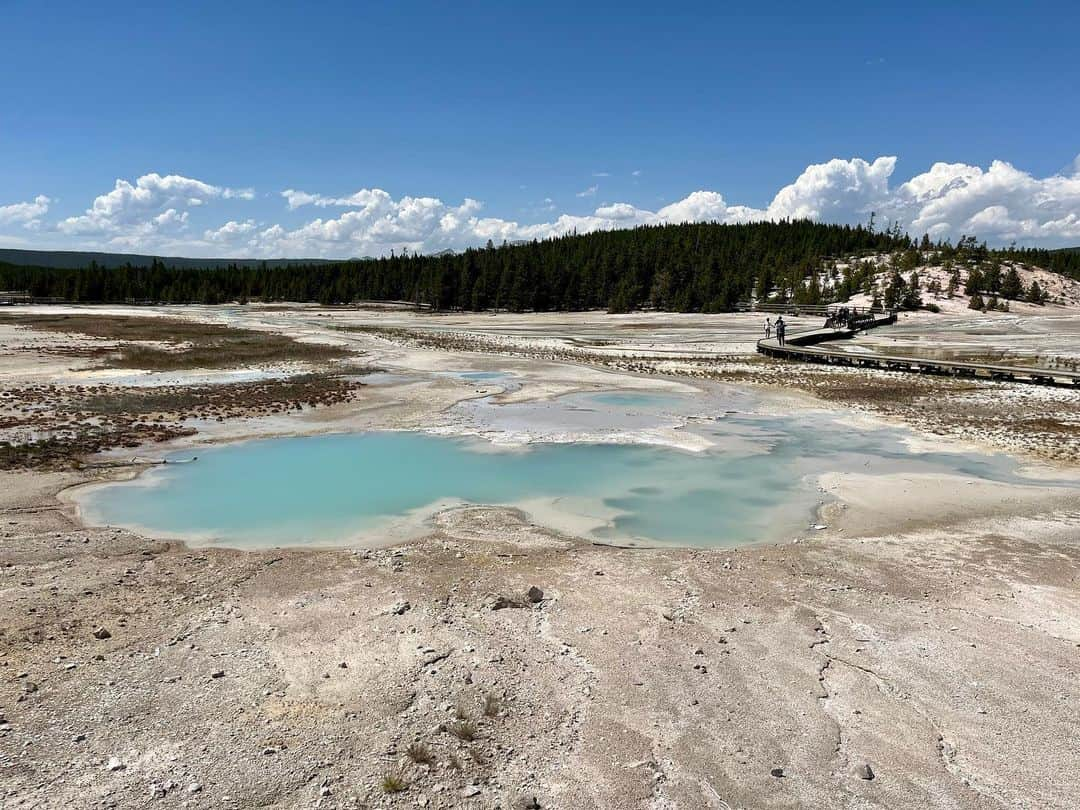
[[454, 762], [492, 706], [464, 730], [461, 711], [419, 753], [394, 782]]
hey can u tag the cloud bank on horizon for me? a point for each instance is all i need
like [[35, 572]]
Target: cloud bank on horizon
[[1000, 204]]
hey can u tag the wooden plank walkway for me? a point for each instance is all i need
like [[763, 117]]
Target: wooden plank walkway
[[803, 346]]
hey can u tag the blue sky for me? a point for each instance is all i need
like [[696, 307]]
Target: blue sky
[[546, 115]]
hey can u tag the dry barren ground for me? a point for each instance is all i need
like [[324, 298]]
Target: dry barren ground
[[944, 660], [924, 651]]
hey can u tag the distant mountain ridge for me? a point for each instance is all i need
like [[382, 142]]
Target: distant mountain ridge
[[75, 259]]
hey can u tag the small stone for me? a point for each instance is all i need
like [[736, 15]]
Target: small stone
[[194, 787], [114, 764], [777, 772], [400, 608], [535, 595], [218, 674], [864, 771], [102, 633], [469, 791]]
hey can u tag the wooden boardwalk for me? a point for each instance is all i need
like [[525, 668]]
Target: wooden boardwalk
[[805, 346]]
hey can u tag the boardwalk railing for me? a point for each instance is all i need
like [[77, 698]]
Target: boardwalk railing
[[822, 310], [11, 297]]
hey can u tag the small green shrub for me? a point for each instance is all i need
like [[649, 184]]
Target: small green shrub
[[394, 783]]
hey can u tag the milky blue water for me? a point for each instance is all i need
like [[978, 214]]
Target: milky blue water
[[756, 483]]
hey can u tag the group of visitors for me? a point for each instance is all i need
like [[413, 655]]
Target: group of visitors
[[779, 326], [841, 319]]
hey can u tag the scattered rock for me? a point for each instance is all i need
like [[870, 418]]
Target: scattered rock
[[535, 595], [864, 771], [218, 674], [469, 791], [400, 608], [194, 787], [102, 633], [114, 764], [777, 772]]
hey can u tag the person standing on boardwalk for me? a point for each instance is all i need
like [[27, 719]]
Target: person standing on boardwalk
[[768, 329], [781, 328]]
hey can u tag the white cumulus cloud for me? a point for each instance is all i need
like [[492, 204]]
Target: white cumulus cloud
[[27, 214], [837, 191], [231, 232], [153, 202], [1000, 203]]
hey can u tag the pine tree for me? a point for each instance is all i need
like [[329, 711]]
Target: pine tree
[[911, 298], [1035, 294], [974, 282], [976, 302], [1011, 286]]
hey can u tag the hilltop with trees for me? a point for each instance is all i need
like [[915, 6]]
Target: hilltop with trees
[[964, 276]]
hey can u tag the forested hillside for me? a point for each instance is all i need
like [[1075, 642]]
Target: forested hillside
[[702, 267], [1065, 261], [75, 259]]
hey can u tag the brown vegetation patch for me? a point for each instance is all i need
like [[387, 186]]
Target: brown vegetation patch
[[55, 426], [168, 344]]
